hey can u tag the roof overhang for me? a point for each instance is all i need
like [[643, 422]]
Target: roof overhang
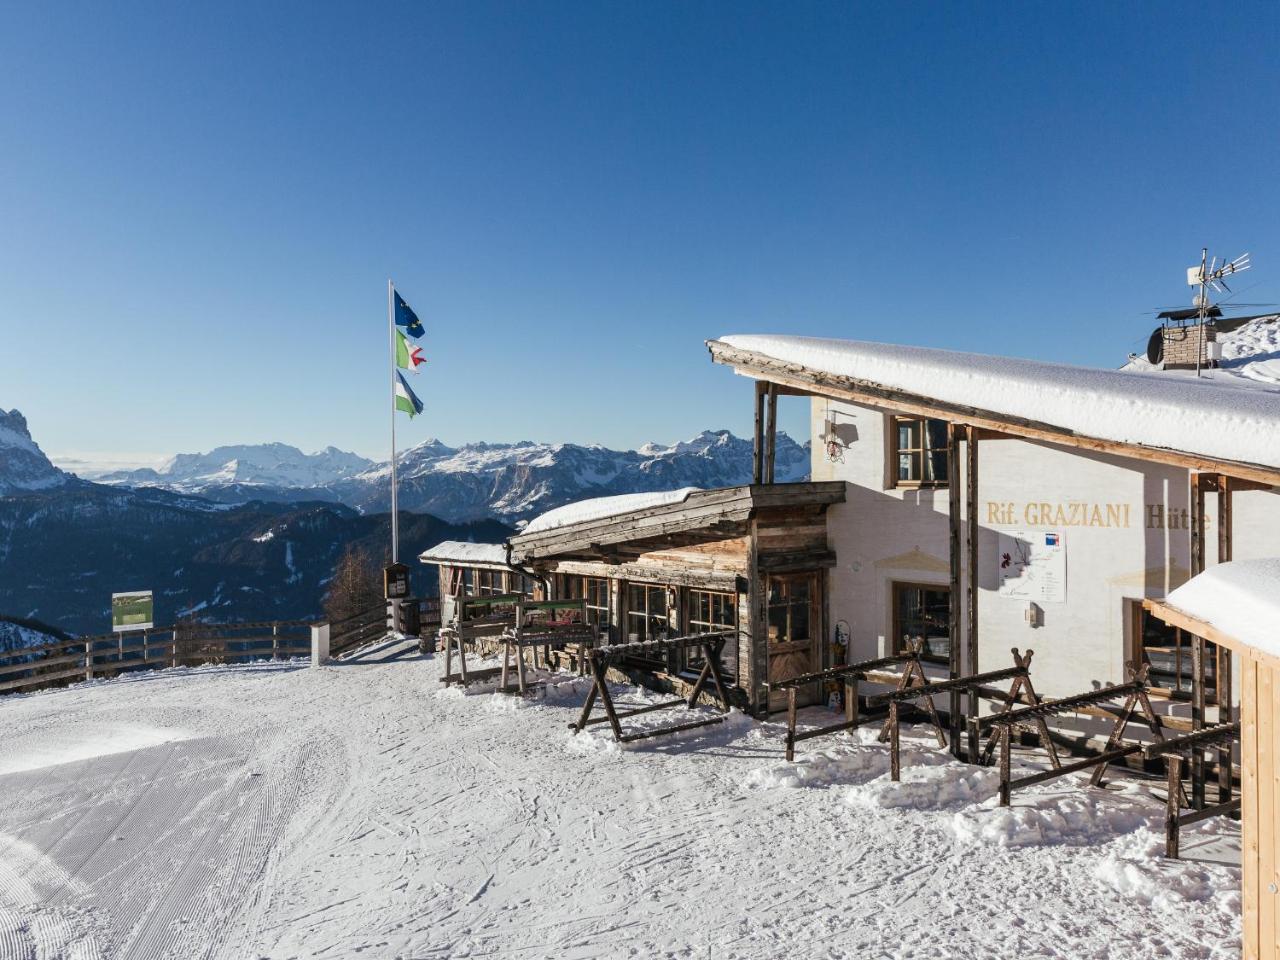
[[703, 516], [797, 377], [1176, 617]]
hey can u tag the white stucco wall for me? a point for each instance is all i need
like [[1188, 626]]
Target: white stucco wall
[[1135, 543]]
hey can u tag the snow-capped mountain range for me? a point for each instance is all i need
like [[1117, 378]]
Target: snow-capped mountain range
[[506, 481], [262, 464]]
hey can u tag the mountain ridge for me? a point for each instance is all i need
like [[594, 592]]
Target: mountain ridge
[[478, 480]]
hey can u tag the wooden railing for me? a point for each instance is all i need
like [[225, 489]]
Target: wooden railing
[[109, 654], [374, 622], [188, 644]]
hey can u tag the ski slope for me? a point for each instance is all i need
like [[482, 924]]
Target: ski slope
[[276, 811]]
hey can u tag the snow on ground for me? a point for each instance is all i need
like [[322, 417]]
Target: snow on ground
[[276, 811]]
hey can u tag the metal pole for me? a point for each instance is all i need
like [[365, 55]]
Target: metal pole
[[395, 513], [1203, 306]]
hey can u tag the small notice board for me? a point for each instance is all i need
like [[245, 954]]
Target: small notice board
[[1033, 565], [132, 611]]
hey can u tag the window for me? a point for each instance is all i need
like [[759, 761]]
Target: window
[[597, 597], [1169, 652], [919, 452], [923, 610], [790, 608], [468, 582], [646, 612], [711, 612], [489, 583], [595, 590], [524, 585]]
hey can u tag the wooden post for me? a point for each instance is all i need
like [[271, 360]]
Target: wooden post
[[1197, 720], [275, 641], [771, 440], [895, 767], [88, 659], [1174, 763], [758, 626], [791, 724], [1223, 677], [757, 445], [955, 432], [1006, 766], [971, 628], [1199, 483]]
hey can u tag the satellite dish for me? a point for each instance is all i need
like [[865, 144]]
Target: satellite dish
[[1155, 347]]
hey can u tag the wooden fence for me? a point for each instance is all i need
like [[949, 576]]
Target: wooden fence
[[373, 623], [109, 654], [188, 645]]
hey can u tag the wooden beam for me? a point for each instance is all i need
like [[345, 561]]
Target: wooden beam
[[757, 438], [771, 441], [971, 516], [1223, 677], [955, 433], [751, 364]]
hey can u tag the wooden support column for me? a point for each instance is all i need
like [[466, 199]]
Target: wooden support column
[[771, 438], [758, 664], [955, 433], [1199, 483], [1226, 699], [971, 595], [757, 443], [617, 610]]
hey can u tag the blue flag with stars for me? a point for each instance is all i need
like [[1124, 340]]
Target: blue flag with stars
[[405, 317]]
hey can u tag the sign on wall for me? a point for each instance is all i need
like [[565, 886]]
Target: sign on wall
[[132, 611], [1033, 566]]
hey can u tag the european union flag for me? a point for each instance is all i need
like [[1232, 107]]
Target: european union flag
[[405, 317]]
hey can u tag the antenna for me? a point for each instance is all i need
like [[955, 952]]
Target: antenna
[[1210, 276]]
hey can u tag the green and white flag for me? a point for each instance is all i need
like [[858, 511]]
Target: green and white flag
[[408, 354], [406, 399]]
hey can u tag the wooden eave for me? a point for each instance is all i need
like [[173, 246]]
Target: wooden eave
[[804, 379], [703, 516], [1197, 627], [469, 564]]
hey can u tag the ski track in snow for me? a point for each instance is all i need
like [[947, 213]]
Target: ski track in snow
[[274, 811]]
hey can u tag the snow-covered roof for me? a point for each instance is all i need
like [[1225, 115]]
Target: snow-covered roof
[[600, 507], [1225, 417], [1240, 598], [458, 551]]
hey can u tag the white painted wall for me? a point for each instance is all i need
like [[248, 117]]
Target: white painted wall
[[882, 534]]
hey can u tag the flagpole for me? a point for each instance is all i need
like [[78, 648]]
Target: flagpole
[[395, 512]]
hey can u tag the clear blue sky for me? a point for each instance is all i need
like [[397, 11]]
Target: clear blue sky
[[201, 203]]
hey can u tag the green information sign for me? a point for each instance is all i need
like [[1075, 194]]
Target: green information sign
[[132, 611]]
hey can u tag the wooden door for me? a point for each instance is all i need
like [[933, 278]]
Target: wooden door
[[793, 622]]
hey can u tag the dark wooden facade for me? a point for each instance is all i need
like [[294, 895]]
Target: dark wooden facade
[[752, 558]]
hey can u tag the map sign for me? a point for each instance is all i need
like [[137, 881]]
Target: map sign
[[1033, 566], [132, 611]]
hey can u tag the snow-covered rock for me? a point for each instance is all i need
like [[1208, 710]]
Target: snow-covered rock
[[23, 465]]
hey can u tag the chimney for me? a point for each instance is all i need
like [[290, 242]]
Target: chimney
[[1182, 343]]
